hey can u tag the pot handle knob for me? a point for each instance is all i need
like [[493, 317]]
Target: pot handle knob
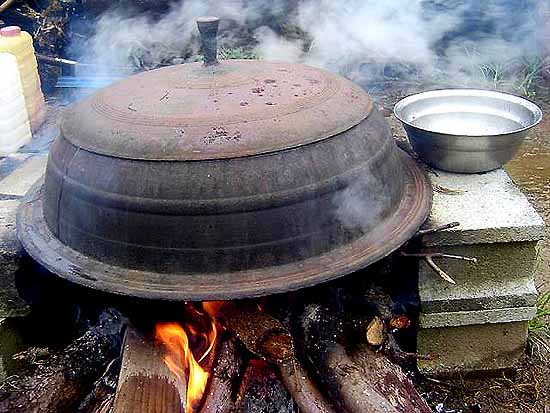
[[208, 29]]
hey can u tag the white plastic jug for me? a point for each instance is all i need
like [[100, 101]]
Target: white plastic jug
[[19, 43], [15, 130]]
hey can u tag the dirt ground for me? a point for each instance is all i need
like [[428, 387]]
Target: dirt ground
[[531, 171]]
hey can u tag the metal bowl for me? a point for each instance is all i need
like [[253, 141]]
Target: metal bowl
[[466, 130]]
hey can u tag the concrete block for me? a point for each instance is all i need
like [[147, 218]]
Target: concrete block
[[489, 207], [10, 253], [464, 318], [20, 180], [502, 277], [472, 349]]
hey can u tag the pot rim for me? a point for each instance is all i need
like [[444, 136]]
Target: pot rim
[[74, 266]]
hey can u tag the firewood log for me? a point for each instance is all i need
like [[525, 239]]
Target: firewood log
[[304, 391], [101, 399], [146, 384], [262, 391], [261, 333], [319, 334], [59, 383], [218, 397], [389, 380]]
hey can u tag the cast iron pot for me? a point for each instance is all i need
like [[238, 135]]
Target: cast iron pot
[[221, 181]]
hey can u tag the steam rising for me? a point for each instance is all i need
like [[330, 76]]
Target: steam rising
[[435, 43], [446, 42]]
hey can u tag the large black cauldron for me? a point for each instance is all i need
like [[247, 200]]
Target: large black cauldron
[[221, 180]]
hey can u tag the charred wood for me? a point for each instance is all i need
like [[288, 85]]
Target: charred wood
[[101, 399], [61, 382], [262, 391], [219, 396]]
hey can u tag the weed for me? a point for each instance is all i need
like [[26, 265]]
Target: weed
[[226, 53], [539, 326]]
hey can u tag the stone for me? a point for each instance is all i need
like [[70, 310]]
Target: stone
[[489, 208], [20, 180], [472, 349], [11, 304]]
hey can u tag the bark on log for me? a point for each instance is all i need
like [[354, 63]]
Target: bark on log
[[59, 384], [145, 383], [101, 399], [318, 332], [219, 396], [303, 390], [389, 380], [262, 391], [349, 380], [262, 334]]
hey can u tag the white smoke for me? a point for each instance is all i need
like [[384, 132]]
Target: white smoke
[[450, 43], [439, 43]]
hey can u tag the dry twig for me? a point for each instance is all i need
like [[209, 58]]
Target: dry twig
[[429, 256], [439, 228]]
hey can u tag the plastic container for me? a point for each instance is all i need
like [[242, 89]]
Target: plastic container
[[19, 43], [15, 129]]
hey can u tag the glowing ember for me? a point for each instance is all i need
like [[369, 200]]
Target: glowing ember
[[179, 357]]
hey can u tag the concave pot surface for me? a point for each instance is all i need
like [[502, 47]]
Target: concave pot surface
[[233, 180]]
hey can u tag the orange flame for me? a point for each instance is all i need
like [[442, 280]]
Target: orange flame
[[180, 359]]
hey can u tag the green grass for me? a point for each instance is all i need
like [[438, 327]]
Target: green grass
[[226, 53], [539, 326], [521, 76]]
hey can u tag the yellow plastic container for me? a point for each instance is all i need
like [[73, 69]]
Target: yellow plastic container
[[15, 130], [19, 43]]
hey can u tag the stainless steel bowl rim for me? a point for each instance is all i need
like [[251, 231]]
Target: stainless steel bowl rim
[[526, 103]]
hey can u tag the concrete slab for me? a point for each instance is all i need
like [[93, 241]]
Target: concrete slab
[[472, 349], [11, 162], [489, 207], [465, 318], [20, 180]]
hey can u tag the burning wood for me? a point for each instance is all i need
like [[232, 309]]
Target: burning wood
[[225, 374], [262, 391], [261, 333], [145, 381]]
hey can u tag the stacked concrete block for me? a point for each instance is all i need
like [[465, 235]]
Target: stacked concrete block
[[480, 323]]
